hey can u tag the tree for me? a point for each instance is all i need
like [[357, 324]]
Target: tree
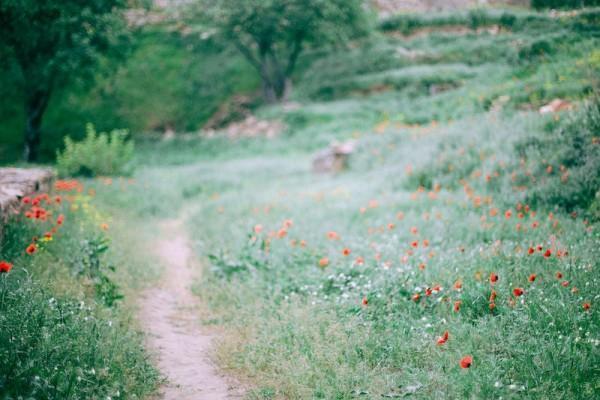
[[271, 34], [53, 42]]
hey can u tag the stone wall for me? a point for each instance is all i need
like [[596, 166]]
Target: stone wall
[[15, 183]]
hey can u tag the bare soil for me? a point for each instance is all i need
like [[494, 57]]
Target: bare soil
[[169, 314]]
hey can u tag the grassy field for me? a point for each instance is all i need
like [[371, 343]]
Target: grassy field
[[463, 211], [341, 286]]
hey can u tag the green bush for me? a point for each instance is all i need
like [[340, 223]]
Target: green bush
[[97, 154]]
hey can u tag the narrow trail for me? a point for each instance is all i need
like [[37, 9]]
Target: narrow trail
[[168, 314]]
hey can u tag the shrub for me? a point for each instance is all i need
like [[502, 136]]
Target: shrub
[[97, 154]]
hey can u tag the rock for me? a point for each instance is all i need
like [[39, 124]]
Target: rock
[[555, 105], [334, 158], [249, 127], [16, 183]]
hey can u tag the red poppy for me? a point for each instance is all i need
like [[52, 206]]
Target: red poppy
[[492, 306], [258, 228], [346, 251], [57, 199], [518, 292], [586, 306], [565, 283], [508, 214], [31, 249], [359, 260], [532, 278], [458, 284], [60, 219], [428, 292], [558, 275], [548, 253], [391, 226], [443, 339], [416, 297], [281, 233], [466, 362], [5, 266], [365, 301], [493, 278], [26, 200], [493, 296], [323, 262], [531, 251], [457, 304], [333, 235]]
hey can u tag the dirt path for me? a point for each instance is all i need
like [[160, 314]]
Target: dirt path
[[168, 314]]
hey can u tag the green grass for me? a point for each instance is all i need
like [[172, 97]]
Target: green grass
[[296, 330], [65, 331], [424, 112]]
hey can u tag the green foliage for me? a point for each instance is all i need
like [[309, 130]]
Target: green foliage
[[271, 34], [59, 339], [565, 162], [88, 263], [558, 4], [97, 154], [51, 43]]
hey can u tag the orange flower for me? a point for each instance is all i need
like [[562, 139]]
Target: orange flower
[[365, 301], [258, 228], [400, 215], [532, 278], [518, 292], [104, 226], [323, 262], [333, 235], [359, 260], [443, 339], [414, 230], [507, 214], [416, 297], [458, 284], [586, 306], [493, 296], [425, 243], [391, 226], [492, 306], [5, 266], [493, 278], [346, 251], [281, 233], [288, 223], [466, 362], [31, 249]]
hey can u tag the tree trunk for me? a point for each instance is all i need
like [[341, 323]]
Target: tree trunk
[[35, 106]]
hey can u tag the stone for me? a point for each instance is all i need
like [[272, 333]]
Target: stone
[[334, 158], [16, 183]]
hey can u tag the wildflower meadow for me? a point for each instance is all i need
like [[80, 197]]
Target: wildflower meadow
[[301, 200]]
